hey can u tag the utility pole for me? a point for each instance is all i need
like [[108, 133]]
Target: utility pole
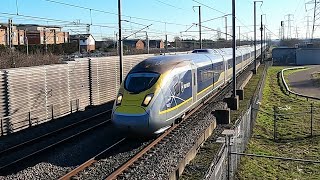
[[265, 39], [45, 39], [289, 20], [314, 18], [226, 26], [79, 46], [120, 41], [239, 36], [10, 33], [255, 38], [147, 42], [166, 46], [234, 83], [308, 27], [282, 29], [200, 38], [88, 28], [261, 41], [26, 40]]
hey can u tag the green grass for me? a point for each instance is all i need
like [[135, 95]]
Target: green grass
[[293, 133], [200, 164]]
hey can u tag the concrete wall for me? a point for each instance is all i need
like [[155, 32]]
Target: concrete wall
[[308, 56], [284, 55]]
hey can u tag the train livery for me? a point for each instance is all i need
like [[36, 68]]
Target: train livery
[[161, 89]]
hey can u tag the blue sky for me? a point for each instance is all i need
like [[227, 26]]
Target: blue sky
[[178, 15]]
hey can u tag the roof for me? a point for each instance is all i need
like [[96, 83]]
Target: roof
[[131, 42], [39, 25], [80, 36]]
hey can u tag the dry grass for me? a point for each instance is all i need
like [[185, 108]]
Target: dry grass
[[18, 59]]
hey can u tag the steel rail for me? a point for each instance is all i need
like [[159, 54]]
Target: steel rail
[[131, 161], [53, 145], [226, 88], [50, 133], [89, 162]]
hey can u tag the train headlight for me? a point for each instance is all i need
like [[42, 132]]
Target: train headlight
[[119, 99], [147, 100]]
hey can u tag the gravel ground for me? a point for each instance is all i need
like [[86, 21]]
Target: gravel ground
[[62, 159], [36, 131], [105, 166], [169, 154]]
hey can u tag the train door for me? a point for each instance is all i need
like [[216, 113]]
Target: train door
[[194, 82]]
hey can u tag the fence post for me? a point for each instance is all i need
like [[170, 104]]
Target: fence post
[[90, 82], [274, 123], [77, 102], [71, 106], [29, 115], [229, 156], [52, 116], [311, 119], [2, 127]]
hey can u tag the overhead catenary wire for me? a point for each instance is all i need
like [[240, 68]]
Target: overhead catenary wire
[[209, 7], [111, 13]]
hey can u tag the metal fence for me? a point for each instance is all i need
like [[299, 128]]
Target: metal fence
[[300, 122], [236, 140], [33, 95]]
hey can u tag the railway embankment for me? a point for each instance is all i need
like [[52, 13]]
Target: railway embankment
[[286, 138]]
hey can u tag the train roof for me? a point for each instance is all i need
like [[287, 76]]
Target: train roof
[[200, 57], [161, 64]]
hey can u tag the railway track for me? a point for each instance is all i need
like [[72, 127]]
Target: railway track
[[151, 147], [22, 158]]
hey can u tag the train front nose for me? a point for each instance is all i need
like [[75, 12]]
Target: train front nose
[[136, 123]]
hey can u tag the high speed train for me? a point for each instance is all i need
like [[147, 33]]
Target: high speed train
[[161, 89]]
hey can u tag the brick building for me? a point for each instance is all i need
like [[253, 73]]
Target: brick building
[[37, 34], [156, 44], [133, 44], [18, 35], [86, 42]]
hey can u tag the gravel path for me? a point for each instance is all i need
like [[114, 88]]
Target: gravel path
[[302, 82]]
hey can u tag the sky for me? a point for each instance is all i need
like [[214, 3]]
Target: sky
[[163, 17]]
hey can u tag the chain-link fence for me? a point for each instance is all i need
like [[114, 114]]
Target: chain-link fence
[[292, 122], [236, 139]]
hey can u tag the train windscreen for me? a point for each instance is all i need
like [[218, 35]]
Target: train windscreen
[[138, 82]]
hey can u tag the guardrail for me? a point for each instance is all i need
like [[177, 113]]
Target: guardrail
[[287, 87]]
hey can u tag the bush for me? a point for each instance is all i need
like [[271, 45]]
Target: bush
[[14, 59]]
